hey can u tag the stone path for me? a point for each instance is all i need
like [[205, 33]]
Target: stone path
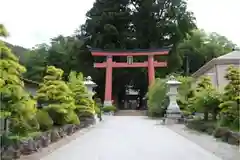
[[131, 138]]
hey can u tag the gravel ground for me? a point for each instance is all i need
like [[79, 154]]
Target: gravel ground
[[220, 149]]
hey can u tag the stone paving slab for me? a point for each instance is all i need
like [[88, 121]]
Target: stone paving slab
[[131, 138]]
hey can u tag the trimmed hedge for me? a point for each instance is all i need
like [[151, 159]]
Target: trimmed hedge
[[44, 120], [109, 109]]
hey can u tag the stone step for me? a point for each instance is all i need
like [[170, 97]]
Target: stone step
[[130, 113]]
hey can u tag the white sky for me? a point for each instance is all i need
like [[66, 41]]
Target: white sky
[[32, 22]]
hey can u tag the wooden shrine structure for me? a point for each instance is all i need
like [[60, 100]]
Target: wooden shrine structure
[[109, 64]]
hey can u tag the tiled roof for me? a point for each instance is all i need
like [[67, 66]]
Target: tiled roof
[[227, 59], [231, 55]]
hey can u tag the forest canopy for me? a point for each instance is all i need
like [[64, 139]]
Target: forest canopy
[[130, 24]]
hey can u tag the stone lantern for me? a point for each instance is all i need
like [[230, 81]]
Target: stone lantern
[[90, 86], [173, 114]]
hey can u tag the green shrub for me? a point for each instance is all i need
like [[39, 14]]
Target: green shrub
[[16, 103], [186, 113], [11, 139], [109, 109], [85, 107], [206, 99], [185, 92], [97, 110], [21, 126], [84, 112], [231, 100], [44, 120], [98, 105], [71, 118], [57, 97], [202, 126], [157, 98]]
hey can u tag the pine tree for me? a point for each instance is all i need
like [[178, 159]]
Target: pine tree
[[108, 22], [206, 98], [231, 99], [84, 105], [56, 97], [16, 103], [204, 83]]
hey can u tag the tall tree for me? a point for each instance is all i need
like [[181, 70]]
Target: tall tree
[[36, 62], [108, 22], [129, 24], [161, 23], [199, 47], [108, 25], [64, 53]]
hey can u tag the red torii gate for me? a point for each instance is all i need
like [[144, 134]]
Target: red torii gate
[[109, 64]]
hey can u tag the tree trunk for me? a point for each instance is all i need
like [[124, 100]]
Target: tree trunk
[[214, 116], [205, 115]]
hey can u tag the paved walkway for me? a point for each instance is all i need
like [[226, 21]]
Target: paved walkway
[[130, 138]]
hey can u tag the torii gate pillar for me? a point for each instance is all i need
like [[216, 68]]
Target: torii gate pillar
[[108, 83], [151, 70]]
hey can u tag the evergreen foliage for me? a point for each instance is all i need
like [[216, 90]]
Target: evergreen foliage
[[131, 24], [16, 104], [231, 99], [44, 120], [56, 97], [3, 31], [206, 98], [185, 92], [36, 63], [85, 107], [200, 47], [157, 98], [204, 83], [109, 109]]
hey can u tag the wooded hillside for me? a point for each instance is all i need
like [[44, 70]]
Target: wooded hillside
[[19, 51]]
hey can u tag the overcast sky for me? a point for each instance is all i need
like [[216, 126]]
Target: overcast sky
[[32, 22]]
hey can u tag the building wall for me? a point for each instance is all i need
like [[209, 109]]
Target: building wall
[[211, 73], [221, 72], [32, 90], [216, 74]]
